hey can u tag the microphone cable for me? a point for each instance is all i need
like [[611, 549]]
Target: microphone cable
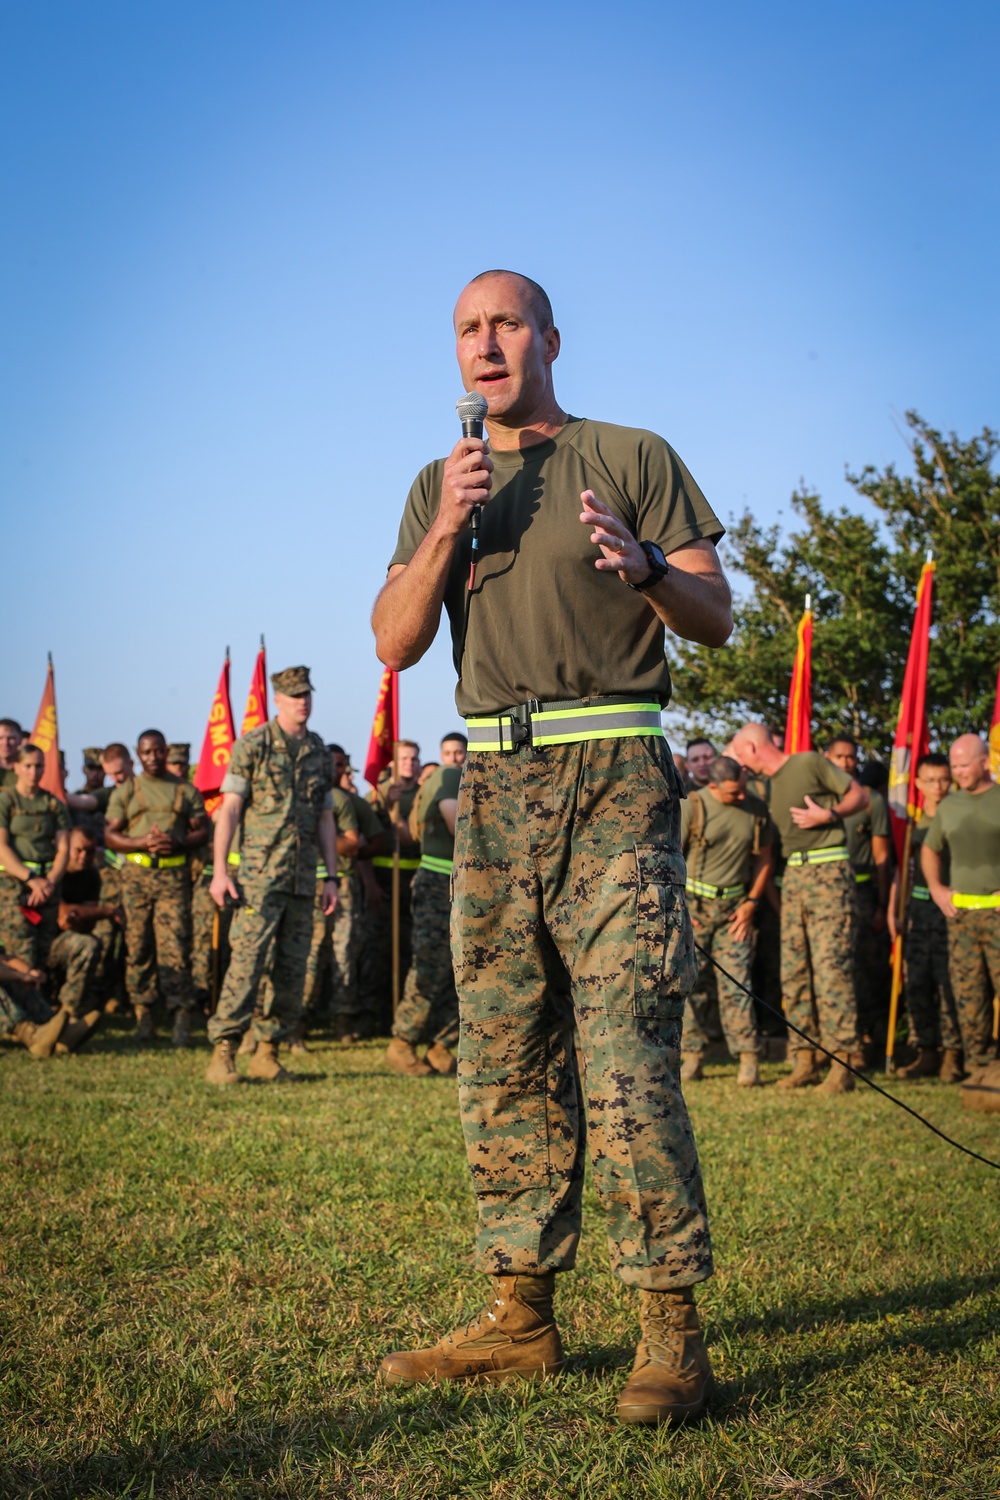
[[966, 1150]]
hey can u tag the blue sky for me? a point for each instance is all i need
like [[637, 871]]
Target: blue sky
[[233, 235]]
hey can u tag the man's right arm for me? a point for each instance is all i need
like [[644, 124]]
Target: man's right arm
[[226, 819], [407, 611]]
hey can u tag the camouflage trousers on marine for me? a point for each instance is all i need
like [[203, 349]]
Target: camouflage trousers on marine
[[74, 955], [930, 1003], [345, 940], [375, 962], [21, 1002], [569, 911], [818, 916], [158, 935], [710, 921], [109, 977], [428, 1011], [203, 914], [974, 968], [270, 935], [872, 965]]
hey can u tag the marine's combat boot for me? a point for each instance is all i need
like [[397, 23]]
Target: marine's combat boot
[[672, 1377], [144, 1029], [248, 1046], [41, 1040], [981, 1090], [297, 1040], [78, 1032], [402, 1057], [181, 1036], [441, 1059], [690, 1067], [514, 1335], [222, 1068], [925, 1065], [265, 1067], [838, 1080], [952, 1070], [749, 1075], [804, 1070]]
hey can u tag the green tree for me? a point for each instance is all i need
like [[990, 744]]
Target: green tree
[[862, 572]]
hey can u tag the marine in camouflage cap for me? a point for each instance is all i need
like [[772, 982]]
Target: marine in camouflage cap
[[92, 758], [292, 681]]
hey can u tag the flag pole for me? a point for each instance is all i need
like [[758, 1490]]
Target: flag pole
[[897, 949]]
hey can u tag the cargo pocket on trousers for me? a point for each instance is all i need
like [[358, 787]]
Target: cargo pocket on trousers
[[665, 961]]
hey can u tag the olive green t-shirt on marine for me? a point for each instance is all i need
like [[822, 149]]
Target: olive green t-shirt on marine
[[967, 827], [722, 852], [807, 774], [346, 819], [859, 830], [544, 622], [32, 824], [436, 839], [144, 800]]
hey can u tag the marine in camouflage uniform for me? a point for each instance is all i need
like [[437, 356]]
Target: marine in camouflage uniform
[[359, 896], [375, 976], [320, 977]]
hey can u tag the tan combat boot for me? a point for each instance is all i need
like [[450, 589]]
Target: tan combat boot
[[690, 1067], [749, 1075], [952, 1070], [514, 1335], [78, 1032], [248, 1046], [925, 1065], [41, 1040], [402, 1057], [297, 1040], [804, 1070], [265, 1067], [144, 1029], [222, 1068], [181, 1036], [838, 1080], [671, 1378], [441, 1059]]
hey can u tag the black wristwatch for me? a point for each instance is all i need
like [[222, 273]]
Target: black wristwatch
[[658, 567]]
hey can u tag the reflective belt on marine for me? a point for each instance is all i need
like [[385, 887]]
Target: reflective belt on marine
[[157, 861], [113, 858], [714, 892], [322, 873], [976, 903], [384, 862], [920, 893], [439, 866], [535, 724], [34, 866], [818, 856], [861, 876]]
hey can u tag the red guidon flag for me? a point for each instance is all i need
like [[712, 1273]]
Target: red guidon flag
[[46, 736], [385, 728], [217, 746], [798, 726], [256, 709], [995, 735], [912, 738]]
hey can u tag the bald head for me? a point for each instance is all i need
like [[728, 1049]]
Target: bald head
[[537, 295], [969, 759], [753, 747]]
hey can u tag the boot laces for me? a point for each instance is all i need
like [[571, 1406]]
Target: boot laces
[[486, 1311], [662, 1330]]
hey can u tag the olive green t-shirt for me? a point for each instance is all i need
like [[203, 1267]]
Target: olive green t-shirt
[[544, 622], [722, 854], [967, 825], [32, 823], [346, 819], [807, 774], [144, 800], [920, 827], [860, 827], [436, 838]]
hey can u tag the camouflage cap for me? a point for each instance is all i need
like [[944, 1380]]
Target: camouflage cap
[[92, 757], [178, 751], [293, 682]]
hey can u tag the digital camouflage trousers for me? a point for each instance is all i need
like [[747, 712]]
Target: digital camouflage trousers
[[974, 968], [73, 955], [428, 1011], [569, 911], [710, 920], [930, 1003], [270, 934], [872, 964], [157, 907], [818, 916], [345, 947], [375, 961]]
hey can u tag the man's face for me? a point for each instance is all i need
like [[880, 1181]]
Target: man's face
[[844, 756], [934, 782], [118, 771], [9, 741], [453, 753], [296, 710], [727, 792], [178, 768], [409, 762], [502, 353], [699, 758], [81, 851], [969, 766], [29, 771], [93, 778], [153, 754], [340, 766]]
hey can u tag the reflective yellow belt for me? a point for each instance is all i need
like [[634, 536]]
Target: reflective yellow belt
[[32, 865], [714, 892], [920, 893], [976, 903], [439, 866], [536, 724], [232, 859], [112, 858], [818, 856], [861, 876], [384, 862], [157, 861]]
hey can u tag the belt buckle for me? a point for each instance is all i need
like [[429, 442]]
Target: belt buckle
[[520, 725]]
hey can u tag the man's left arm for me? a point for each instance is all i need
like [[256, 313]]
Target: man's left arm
[[326, 837]]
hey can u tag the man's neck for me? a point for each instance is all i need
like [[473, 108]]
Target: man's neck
[[772, 759], [982, 786], [292, 731], [540, 428], [929, 807]]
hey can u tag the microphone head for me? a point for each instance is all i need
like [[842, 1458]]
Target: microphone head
[[472, 407]]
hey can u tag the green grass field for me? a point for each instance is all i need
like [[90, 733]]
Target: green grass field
[[197, 1287]]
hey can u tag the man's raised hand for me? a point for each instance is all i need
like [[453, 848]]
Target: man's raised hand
[[620, 552]]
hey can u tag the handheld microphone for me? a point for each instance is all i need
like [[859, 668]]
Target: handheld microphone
[[471, 410]]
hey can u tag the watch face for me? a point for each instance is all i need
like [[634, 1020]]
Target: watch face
[[655, 554]]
